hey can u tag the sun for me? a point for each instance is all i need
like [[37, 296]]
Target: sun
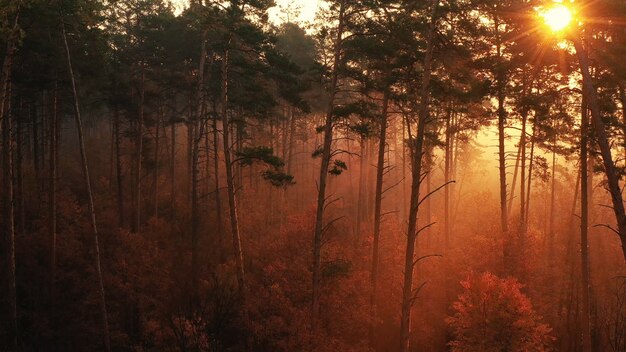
[[557, 17]]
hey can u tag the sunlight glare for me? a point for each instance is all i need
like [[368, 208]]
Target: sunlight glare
[[557, 17]]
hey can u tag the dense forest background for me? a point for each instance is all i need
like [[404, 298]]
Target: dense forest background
[[398, 176]]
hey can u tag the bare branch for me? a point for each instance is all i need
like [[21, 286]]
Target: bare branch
[[434, 191]]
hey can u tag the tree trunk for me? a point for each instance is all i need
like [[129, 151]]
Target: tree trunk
[[292, 132], [19, 173], [509, 206], [94, 226], [118, 168], [531, 162], [446, 177], [196, 135], [380, 172], [230, 182], [605, 149], [500, 86], [584, 227], [157, 144], [361, 192], [136, 228], [326, 155], [501, 158], [8, 229], [37, 154], [551, 232], [408, 294], [218, 198], [52, 201], [173, 172], [195, 211], [622, 98], [522, 152]]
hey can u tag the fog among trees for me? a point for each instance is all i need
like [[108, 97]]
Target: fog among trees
[[442, 175]]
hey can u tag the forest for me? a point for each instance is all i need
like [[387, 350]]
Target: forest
[[436, 175]]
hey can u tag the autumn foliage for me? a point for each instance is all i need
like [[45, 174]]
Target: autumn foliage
[[492, 314]]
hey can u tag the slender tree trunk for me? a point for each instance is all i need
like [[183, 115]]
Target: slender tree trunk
[[446, 176], [19, 174], [500, 86], [326, 155], [292, 132], [195, 211], [7, 227], [408, 293], [380, 172], [501, 158], [230, 182], [52, 201], [157, 144], [531, 162], [92, 211], [522, 207], [37, 154], [118, 167], [428, 203], [551, 233], [605, 149], [622, 98], [173, 171], [361, 193], [218, 198], [136, 228], [584, 227], [196, 135], [509, 206], [8, 219]]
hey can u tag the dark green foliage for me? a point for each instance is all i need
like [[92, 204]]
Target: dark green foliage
[[278, 178], [337, 269], [265, 155], [260, 154], [338, 167]]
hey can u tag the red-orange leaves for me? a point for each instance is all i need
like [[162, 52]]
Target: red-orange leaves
[[492, 314]]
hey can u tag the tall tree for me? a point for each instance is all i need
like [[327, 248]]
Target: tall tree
[[10, 341], [92, 212]]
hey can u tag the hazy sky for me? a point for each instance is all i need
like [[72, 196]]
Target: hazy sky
[[307, 9]]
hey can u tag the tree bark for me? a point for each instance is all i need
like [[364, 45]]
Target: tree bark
[[509, 206], [605, 149], [230, 182], [8, 219], [326, 155], [531, 162], [196, 135], [380, 172], [19, 173], [500, 86], [173, 172], [361, 192], [136, 228], [157, 144], [92, 211], [408, 294], [584, 227], [52, 200], [446, 177], [522, 207], [7, 226], [118, 167], [218, 198]]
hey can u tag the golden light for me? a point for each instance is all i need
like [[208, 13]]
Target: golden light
[[557, 17]]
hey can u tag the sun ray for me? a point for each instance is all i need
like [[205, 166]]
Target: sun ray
[[557, 17]]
